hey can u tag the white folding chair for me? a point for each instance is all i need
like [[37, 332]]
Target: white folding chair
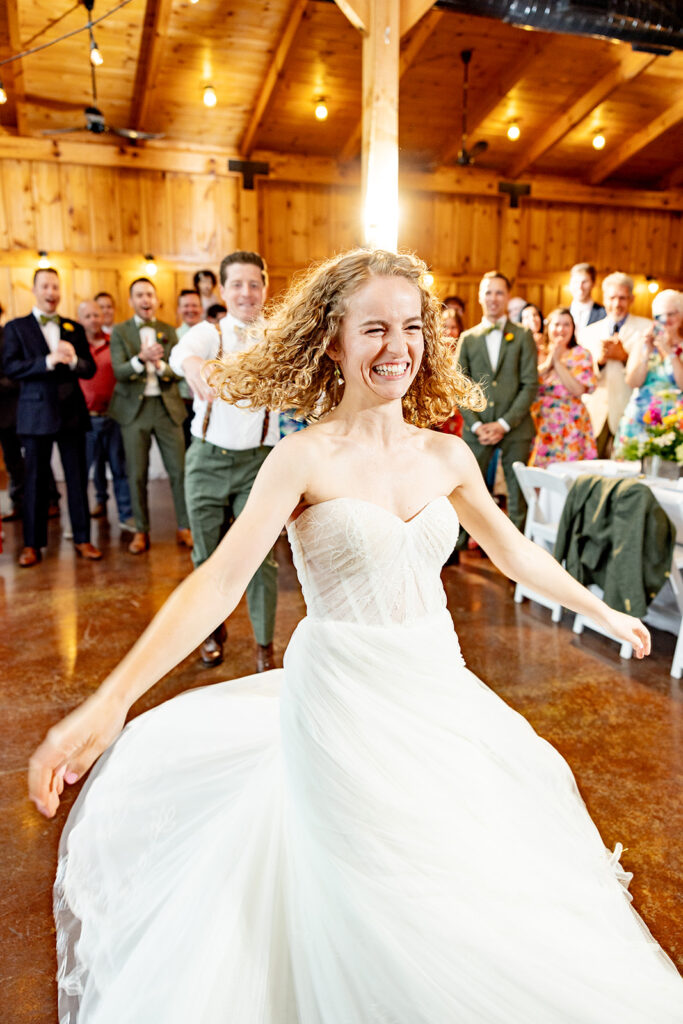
[[545, 495]]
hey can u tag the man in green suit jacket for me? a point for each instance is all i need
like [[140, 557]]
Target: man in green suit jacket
[[501, 356], [146, 402]]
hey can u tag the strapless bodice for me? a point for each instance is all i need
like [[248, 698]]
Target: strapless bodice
[[357, 562]]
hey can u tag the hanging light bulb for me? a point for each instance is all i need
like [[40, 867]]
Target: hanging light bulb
[[3, 94], [599, 141], [194, 1], [652, 285], [96, 58], [43, 261], [513, 132], [150, 265], [210, 98], [321, 110]]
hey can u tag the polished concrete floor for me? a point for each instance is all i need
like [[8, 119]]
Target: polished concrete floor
[[66, 622]]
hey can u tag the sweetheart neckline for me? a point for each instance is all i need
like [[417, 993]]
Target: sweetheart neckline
[[373, 504]]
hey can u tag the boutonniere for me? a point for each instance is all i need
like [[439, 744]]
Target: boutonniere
[[161, 338], [509, 336], [67, 326]]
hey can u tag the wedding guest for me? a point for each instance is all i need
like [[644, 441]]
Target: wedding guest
[[532, 318], [610, 341], [654, 369], [563, 428], [456, 303], [583, 308], [515, 307], [48, 354], [215, 313], [146, 403], [190, 310], [229, 445], [103, 442], [107, 307], [205, 283]]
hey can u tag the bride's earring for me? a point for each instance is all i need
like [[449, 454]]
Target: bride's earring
[[338, 379]]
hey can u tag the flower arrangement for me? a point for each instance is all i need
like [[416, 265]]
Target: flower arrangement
[[664, 431]]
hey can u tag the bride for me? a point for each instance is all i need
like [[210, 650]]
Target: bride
[[370, 835]]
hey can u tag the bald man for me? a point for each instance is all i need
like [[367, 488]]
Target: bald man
[[103, 440]]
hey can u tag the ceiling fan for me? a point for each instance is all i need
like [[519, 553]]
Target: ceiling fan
[[94, 118], [468, 156]]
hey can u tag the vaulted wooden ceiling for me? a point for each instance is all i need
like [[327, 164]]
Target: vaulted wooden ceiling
[[269, 60]]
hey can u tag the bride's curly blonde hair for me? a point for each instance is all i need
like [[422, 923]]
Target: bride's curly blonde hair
[[290, 368]]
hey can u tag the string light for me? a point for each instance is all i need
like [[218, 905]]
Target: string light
[[3, 94], [210, 98], [652, 285], [428, 280], [43, 261], [599, 141], [513, 132], [150, 265], [96, 58], [321, 109]]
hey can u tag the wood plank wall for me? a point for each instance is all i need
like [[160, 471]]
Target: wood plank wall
[[97, 223]]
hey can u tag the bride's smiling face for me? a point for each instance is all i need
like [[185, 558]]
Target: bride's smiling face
[[380, 346]]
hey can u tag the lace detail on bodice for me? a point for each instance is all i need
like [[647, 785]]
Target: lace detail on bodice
[[357, 562]]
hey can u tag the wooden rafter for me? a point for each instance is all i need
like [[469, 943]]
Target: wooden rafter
[[533, 50], [407, 58], [634, 143], [630, 66], [157, 13], [411, 12], [296, 13], [673, 179], [17, 72], [357, 12]]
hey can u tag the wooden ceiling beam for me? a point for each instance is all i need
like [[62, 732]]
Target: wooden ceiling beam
[[186, 158], [411, 12], [673, 179], [18, 85], [629, 67], [635, 142], [357, 12], [157, 13], [407, 58], [529, 52], [296, 13]]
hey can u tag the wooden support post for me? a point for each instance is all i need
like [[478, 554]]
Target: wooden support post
[[380, 124], [249, 224]]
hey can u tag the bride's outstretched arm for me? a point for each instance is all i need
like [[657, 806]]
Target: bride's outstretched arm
[[194, 609], [528, 563]]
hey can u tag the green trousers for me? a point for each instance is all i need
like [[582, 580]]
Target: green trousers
[[511, 450], [153, 420], [217, 485]]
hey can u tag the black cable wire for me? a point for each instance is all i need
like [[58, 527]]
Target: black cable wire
[[67, 35]]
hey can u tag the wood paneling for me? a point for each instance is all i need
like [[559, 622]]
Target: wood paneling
[[97, 223]]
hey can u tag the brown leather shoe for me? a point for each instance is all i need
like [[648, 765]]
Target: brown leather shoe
[[184, 538], [139, 543], [88, 551], [98, 511], [53, 510], [265, 659], [211, 651], [29, 557], [12, 517]]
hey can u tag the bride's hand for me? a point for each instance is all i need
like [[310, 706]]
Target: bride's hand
[[70, 748], [629, 630]]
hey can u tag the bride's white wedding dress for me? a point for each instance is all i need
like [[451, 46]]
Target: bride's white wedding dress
[[369, 836]]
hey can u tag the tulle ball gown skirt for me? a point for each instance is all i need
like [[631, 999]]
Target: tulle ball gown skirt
[[346, 842]]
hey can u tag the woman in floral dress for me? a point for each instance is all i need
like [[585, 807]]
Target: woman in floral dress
[[654, 370], [563, 427]]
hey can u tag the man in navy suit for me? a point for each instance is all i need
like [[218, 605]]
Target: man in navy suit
[[583, 309], [47, 354]]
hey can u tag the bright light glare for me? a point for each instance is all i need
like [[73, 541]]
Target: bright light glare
[[514, 132], [321, 111], [210, 98], [599, 142]]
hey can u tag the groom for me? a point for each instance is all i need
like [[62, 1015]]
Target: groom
[[502, 357]]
